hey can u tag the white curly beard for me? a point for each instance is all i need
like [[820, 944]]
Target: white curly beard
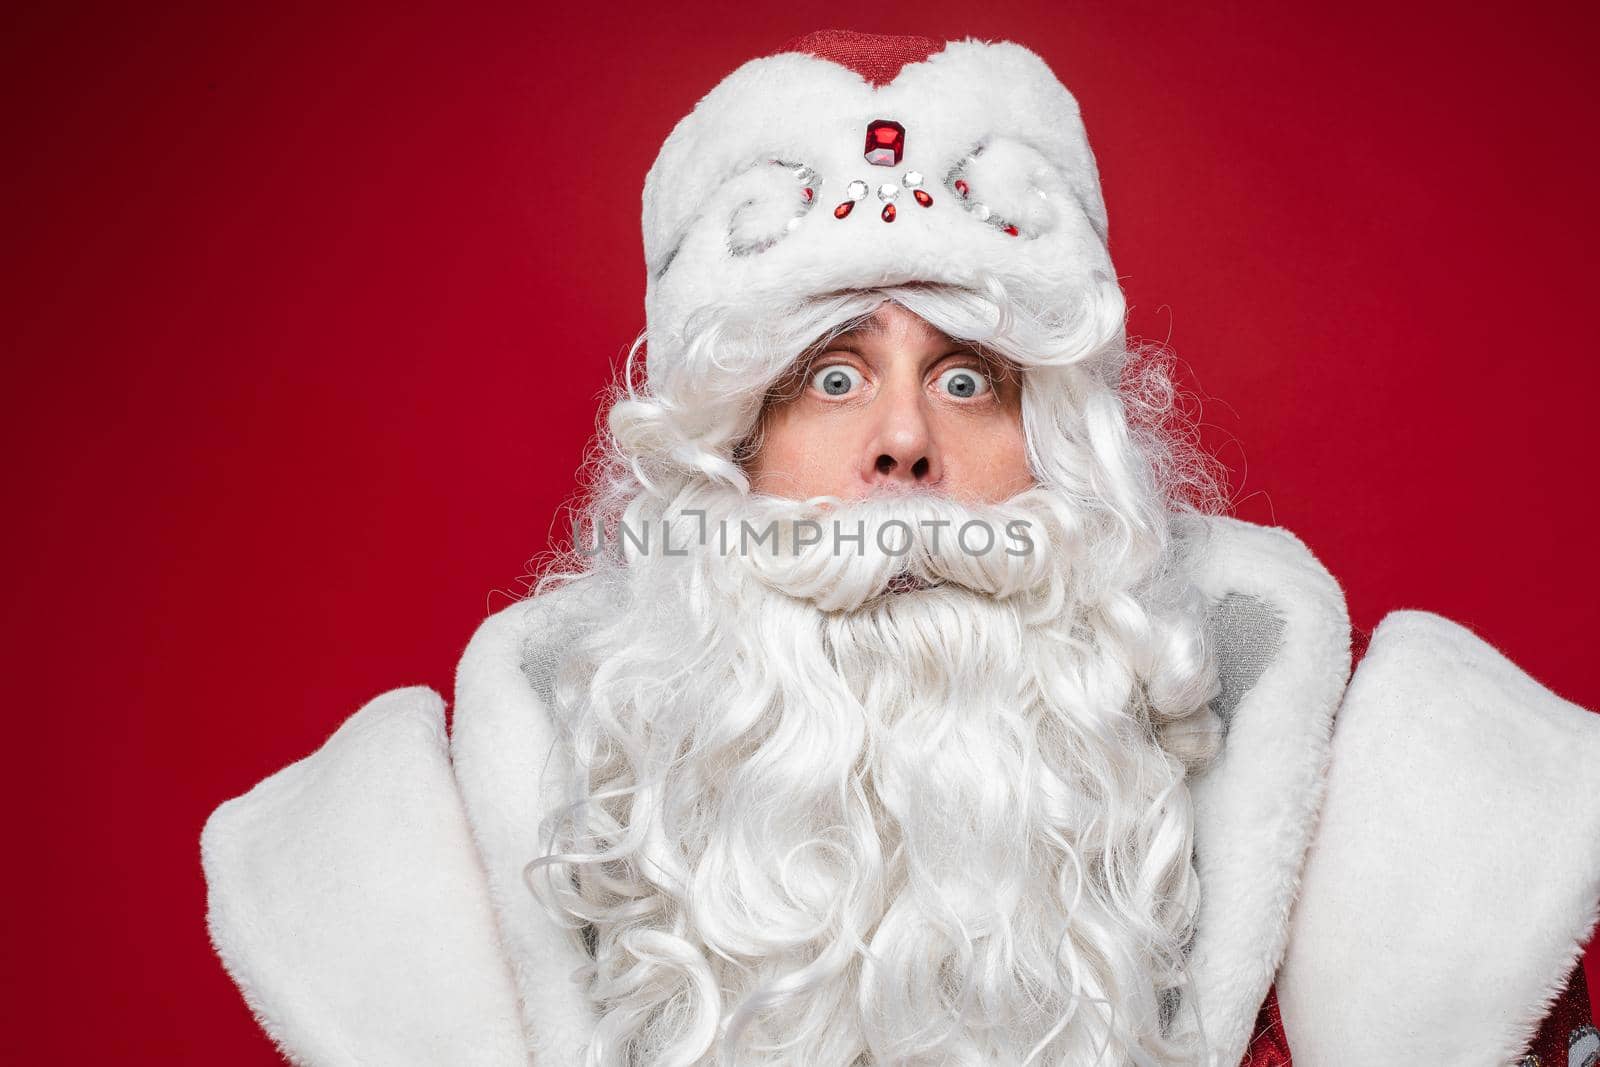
[[819, 821]]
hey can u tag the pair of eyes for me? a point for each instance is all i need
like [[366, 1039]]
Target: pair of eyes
[[841, 379]]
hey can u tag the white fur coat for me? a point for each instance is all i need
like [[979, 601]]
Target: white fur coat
[[1414, 856]]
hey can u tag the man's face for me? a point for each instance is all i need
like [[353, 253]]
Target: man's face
[[892, 404]]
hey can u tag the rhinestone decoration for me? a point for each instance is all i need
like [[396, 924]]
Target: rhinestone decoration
[[888, 213], [911, 179], [856, 190], [922, 197], [1583, 1046], [982, 211], [886, 143], [1012, 230], [807, 193], [844, 209], [794, 224], [962, 187], [888, 192]]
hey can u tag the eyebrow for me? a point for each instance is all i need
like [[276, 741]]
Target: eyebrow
[[869, 326]]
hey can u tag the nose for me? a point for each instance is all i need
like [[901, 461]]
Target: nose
[[902, 450]]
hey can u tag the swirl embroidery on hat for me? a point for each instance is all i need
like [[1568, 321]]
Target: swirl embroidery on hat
[[1029, 225], [759, 222]]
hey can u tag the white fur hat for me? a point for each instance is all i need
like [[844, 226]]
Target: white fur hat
[[852, 161]]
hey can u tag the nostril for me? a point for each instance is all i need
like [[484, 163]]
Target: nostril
[[919, 469], [885, 463]]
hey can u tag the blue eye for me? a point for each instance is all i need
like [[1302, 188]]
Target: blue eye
[[837, 380], [964, 382]]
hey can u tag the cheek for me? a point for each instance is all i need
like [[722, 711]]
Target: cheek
[[987, 460], [799, 457]]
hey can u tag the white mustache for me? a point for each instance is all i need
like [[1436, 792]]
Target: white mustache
[[842, 555]]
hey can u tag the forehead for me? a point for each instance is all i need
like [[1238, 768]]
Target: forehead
[[892, 323]]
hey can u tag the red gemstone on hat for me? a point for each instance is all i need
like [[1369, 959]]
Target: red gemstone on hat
[[886, 143], [844, 209], [807, 194], [961, 187], [888, 213], [1012, 230], [922, 197]]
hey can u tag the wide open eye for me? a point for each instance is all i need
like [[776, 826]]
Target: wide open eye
[[838, 380], [964, 382]]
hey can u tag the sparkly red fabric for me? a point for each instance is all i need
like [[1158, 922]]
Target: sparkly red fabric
[[877, 57], [1359, 639], [1568, 1017], [1269, 1047]]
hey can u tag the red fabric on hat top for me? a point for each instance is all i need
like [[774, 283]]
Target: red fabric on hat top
[[877, 57]]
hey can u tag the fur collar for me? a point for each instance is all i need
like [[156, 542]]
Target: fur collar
[[1284, 649]]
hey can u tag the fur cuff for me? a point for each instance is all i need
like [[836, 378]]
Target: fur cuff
[[1457, 871], [347, 902]]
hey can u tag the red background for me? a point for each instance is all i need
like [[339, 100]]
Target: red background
[[310, 311]]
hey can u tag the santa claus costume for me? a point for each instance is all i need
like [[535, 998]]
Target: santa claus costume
[[1388, 854]]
